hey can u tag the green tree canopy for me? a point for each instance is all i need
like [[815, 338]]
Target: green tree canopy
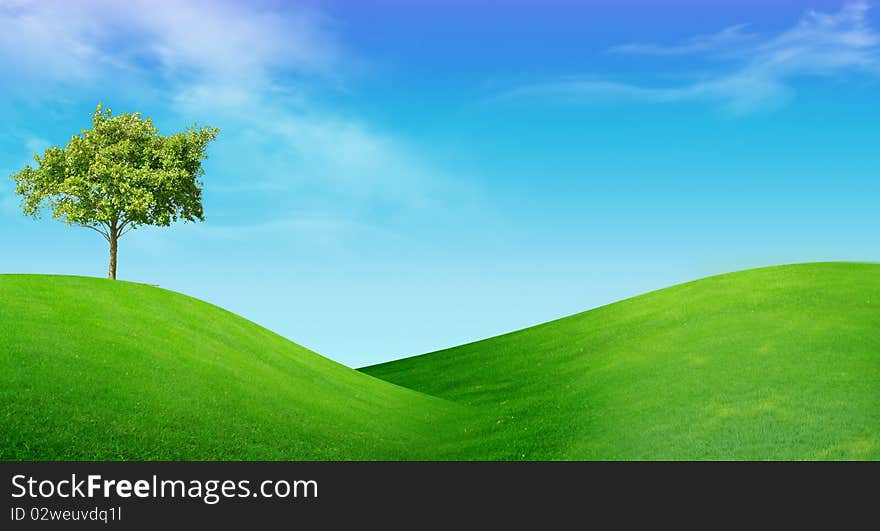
[[117, 176]]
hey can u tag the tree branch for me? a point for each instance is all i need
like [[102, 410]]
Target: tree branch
[[125, 227], [96, 229]]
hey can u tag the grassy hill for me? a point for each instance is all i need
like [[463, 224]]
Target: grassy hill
[[94, 369], [775, 363]]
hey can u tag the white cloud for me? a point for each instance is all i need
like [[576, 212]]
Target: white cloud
[[819, 45], [723, 40], [252, 71], [195, 39], [225, 38], [348, 159], [316, 228], [42, 40], [366, 164]]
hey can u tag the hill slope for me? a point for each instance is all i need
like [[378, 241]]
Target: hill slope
[[94, 369], [775, 363], [778, 363]]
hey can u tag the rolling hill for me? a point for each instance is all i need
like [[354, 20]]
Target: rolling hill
[[92, 369], [774, 363]]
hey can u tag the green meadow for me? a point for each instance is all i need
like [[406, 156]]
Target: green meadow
[[773, 363], [93, 369]]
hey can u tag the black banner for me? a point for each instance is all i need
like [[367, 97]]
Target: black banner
[[234, 495]]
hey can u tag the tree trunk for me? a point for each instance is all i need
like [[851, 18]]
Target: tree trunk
[[114, 243]]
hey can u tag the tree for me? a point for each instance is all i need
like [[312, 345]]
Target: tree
[[117, 176]]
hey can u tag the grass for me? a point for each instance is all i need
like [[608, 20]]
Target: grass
[[775, 363], [97, 370]]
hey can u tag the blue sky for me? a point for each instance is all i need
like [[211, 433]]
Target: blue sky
[[396, 177]]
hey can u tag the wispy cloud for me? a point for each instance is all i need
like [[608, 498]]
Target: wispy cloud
[[762, 74], [721, 41], [253, 71], [198, 39], [309, 228], [39, 40]]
